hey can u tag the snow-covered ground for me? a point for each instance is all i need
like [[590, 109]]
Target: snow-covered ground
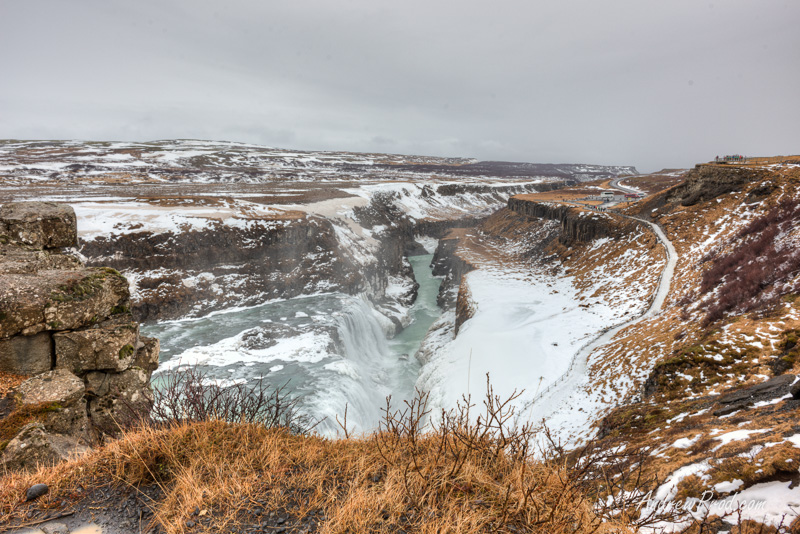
[[118, 216], [524, 332], [197, 161], [772, 503]]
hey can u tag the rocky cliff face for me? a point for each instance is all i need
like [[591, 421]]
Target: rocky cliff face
[[193, 272], [69, 328], [576, 225], [706, 182], [198, 271], [460, 189], [703, 183], [452, 267]]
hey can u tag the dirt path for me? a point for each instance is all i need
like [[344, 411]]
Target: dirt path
[[566, 392]]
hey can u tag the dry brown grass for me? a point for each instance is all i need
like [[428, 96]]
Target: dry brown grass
[[12, 423], [388, 482], [771, 461], [473, 471], [707, 362]]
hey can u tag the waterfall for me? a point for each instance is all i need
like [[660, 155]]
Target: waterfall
[[330, 350], [365, 348], [363, 375], [369, 367]]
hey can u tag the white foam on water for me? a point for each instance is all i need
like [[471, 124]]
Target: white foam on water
[[308, 347]]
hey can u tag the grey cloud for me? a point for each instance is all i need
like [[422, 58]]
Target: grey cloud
[[647, 83]]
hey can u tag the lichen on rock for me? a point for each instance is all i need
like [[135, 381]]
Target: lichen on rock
[[35, 446], [27, 355], [58, 385]]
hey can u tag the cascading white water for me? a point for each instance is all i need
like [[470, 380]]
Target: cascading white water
[[366, 372], [330, 348]]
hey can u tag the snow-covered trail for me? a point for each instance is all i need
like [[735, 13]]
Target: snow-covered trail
[[566, 393], [666, 275]]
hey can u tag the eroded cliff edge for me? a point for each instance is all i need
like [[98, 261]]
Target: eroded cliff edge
[[68, 342]]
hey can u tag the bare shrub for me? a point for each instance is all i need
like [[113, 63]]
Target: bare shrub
[[744, 277], [475, 470], [521, 477], [785, 211], [188, 394]]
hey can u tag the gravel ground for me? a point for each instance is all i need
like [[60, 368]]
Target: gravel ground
[[113, 510], [126, 511]]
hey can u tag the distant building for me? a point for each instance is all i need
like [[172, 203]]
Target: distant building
[[735, 158], [610, 196]]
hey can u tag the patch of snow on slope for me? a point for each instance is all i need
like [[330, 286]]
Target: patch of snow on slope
[[685, 443], [736, 435], [771, 503]]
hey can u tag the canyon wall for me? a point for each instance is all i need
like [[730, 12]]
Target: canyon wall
[[576, 224], [251, 258], [197, 271]]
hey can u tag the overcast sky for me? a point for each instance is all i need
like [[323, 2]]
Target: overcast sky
[[651, 83]]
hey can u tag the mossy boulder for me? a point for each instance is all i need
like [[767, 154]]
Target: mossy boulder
[[86, 300], [56, 386], [63, 392], [55, 312], [59, 299]]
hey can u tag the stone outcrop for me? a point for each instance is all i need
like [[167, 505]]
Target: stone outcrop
[[439, 228], [27, 355], [576, 224], [775, 387], [68, 327], [40, 225], [465, 307], [57, 386], [34, 446], [108, 346], [459, 189], [114, 395], [706, 182], [452, 267], [55, 300]]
